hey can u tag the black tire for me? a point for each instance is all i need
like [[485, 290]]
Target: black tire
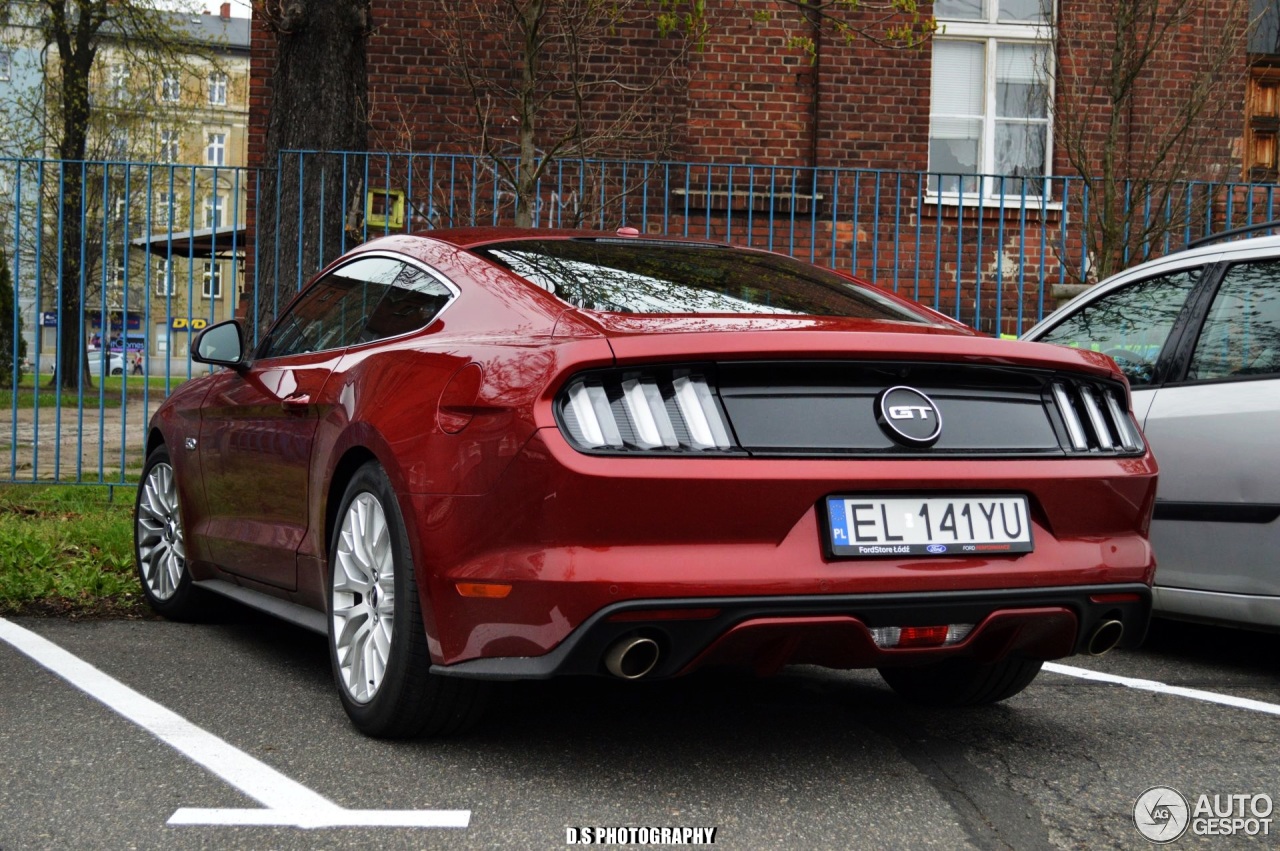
[[962, 682], [117, 371], [408, 700], [157, 535]]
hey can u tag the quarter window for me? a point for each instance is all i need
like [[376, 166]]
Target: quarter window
[[989, 107], [369, 299], [1130, 325], [1241, 335]]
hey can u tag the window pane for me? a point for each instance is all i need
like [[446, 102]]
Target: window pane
[[618, 277], [1022, 11], [1242, 334], [408, 303], [956, 88], [1019, 149], [958, 10], [1130, 325], [1021, 88]]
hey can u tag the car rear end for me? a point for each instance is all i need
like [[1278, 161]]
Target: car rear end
[[859, 491]]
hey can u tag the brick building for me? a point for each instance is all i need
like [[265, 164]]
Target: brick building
[[923, 169]]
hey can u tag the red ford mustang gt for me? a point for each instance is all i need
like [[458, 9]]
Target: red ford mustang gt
[[494, 454]]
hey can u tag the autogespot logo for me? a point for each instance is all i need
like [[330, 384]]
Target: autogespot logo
[[1161, 814]]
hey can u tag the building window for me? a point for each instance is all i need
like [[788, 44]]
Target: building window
[[6, 65], [213, 209], [989, 112], [162, 213], [118, 145], [212, 286], [169, 146], [164, 278], [1262, 125], [218, 89], [171, 87], [216, 151], [119, 82]]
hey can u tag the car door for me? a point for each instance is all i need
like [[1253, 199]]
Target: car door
[[258, 425], [1214, 431]]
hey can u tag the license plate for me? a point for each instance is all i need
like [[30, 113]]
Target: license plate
[[925, 526]]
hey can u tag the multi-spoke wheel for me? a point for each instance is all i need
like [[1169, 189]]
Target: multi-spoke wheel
[[364, 598], [376, 639], [158, 543]]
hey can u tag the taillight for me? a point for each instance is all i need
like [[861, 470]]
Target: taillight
[[664, 410]]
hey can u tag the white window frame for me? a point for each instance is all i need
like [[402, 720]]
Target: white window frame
[[217, 88], [164, 275], [162, 212], [171, 87], [212, 279], [6, 65], [119, 82], [215, 151], [215, 208], [989, 33], [170, 145]]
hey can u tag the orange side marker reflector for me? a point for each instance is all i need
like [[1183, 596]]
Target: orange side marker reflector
[[486, 590]]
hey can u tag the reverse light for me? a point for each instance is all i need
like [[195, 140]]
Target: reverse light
[[886, 637], [673, 410]]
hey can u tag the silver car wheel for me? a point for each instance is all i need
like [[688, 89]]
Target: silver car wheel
[[363, 600], [161, 551]]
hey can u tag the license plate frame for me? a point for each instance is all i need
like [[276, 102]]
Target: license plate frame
[[890, 526]]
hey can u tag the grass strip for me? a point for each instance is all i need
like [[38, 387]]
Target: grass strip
[[67, 550]]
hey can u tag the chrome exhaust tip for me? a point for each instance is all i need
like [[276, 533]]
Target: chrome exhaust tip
[[1105, 637], [632, 658]]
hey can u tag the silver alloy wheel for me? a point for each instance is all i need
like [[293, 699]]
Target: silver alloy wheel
[[363, 601], [162, 553]]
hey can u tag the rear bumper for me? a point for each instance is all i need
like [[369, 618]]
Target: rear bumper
[[767, 633]]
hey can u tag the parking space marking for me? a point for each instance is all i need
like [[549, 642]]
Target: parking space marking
[[1164, 688], [287, 802]]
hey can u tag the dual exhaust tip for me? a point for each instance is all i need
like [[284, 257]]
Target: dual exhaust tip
[[632, 658]]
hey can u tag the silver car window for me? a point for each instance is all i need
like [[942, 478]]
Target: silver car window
[[1130, 324], [1241, 335]]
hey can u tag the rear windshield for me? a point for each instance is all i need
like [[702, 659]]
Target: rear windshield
[[637, 276]]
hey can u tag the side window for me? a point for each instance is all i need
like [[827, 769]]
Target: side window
[[409, 301], [369, 299], [1241, 335], [1130, 325]]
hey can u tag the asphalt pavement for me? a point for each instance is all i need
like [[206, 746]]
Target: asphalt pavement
[[809, 759]]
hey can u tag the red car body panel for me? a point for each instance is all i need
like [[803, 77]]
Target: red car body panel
[[460, 416]]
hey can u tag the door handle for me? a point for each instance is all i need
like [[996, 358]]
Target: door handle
[[297, 402]]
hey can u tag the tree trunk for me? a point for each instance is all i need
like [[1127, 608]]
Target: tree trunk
[[73, 358], [319, 103]]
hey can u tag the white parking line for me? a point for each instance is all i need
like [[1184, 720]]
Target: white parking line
[[287, 802], [1163, 688]]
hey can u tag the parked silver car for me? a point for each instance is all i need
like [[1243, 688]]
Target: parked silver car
[[1198, 335]]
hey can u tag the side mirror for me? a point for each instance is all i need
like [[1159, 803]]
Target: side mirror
[[220, 345]]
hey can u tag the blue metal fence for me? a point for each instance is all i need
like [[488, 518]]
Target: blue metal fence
[[132, 258]]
